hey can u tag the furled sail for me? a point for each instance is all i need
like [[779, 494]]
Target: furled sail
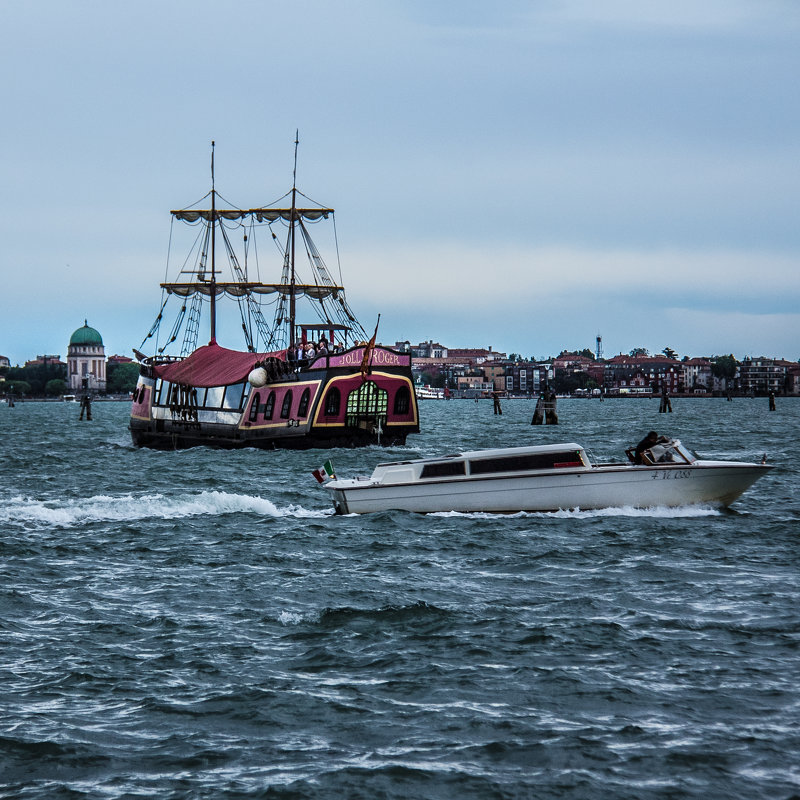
[[241, 289], [261, 214]]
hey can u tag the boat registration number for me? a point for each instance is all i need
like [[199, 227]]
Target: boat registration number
[[674, 474]]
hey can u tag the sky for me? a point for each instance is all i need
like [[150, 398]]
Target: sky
[[525, 175]]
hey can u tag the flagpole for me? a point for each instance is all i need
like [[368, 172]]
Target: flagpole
[[366, 361]]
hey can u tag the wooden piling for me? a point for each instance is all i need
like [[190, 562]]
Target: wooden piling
[[86, 407], [497, 408], [538, 412], [545, 412]]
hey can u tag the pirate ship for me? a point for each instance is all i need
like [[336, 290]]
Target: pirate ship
[[312, 377]]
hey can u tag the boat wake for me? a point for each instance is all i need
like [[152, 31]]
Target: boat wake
[[29, 512], [659, 512]]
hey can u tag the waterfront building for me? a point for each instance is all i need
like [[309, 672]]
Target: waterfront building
[[526, 377], [697, 376], [46, 360], [429, 349], [86, 360], [763, 375], [642, 374]]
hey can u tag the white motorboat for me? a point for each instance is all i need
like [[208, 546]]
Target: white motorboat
[[545, 478]]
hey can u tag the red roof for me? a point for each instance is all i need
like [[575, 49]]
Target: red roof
[[212, 365]]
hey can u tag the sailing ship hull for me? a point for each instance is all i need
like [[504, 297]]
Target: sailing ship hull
[[328, 403]]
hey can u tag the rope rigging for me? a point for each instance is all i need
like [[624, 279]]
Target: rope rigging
[[196, 282]]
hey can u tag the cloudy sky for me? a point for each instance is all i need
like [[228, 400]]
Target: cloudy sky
[[523, 175]]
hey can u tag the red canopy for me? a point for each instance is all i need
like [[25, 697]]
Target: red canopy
[[212, 365]]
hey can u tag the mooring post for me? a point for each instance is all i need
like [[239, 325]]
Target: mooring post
[[772, 401], [86, 407], [545, 411], [538, 412], [550, 414], [497, 407]]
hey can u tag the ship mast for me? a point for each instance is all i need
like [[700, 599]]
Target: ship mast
[[213, 252], [291, 285], [293, 224]]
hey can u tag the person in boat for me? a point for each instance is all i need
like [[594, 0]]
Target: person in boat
[[646, 443], [310, 351]]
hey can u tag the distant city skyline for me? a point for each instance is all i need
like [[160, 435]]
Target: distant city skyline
[[110, 353], [518, 174]]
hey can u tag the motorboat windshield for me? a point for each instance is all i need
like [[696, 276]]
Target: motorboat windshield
[[668, 451]]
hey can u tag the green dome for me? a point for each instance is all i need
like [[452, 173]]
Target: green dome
[[86, 335]]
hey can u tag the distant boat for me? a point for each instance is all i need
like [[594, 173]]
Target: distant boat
[[544, 478], [429, 393], [279, 391]]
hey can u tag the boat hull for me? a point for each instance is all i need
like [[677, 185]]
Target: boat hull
[[181, 436], [712, 483]]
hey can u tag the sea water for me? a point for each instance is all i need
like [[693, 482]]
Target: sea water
[[199, 624]]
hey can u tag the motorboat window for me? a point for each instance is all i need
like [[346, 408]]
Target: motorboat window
[[669, 453], [443, 469], [526, 462]]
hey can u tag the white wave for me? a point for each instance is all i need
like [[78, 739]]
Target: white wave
[[105, 508], [290, 618], [577, 513]]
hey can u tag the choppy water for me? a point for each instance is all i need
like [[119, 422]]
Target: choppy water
[[199, 625]]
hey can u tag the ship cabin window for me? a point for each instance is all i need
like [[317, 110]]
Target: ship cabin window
[[402, 401], [368, 400], [234, 395], [525, 462], [286, 408], [442, 469], [302, 409], [254, 407], [333, 402], [215, 396], [269, 406]]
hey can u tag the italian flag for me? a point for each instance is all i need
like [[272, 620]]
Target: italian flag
[[324, 473]]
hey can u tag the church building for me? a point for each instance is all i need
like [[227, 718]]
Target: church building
[[86, 360]]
